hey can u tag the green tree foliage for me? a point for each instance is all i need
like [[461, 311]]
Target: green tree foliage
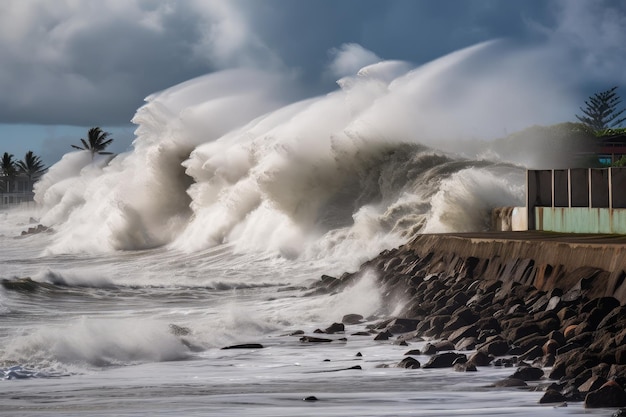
[[97, 141], [31, 165], [602, 111], [8, 170], [620, 163]]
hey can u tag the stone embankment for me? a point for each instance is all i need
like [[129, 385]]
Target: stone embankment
[[552, 305]]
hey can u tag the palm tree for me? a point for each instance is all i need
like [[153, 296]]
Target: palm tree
[[8, 170], [97, 141], [31, 166]]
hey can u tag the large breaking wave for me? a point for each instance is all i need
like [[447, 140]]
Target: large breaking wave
[[228, 158]]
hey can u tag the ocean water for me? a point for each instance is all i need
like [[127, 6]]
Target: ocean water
[[210, 232]]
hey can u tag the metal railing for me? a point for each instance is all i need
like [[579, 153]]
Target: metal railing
[[581, 187]]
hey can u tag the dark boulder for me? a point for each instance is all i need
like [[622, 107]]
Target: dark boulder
[[530, 341], [552, 396], [401, 325], [465, 367], [516, 333], [467, 343], [352, 319], [550, 347], [496, 347], [383, 335], [441, 346], [20, 284], [592, 384], [244, 346], [311, 339], [409, 363], [480, 359], [528, 373], [610, 394], [532, 354], [463, 332], [335, 328], [444, 360]]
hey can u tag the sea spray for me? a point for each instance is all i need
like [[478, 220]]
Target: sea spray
[[225, 159]]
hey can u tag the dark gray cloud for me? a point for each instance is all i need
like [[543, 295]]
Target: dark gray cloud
[[92, 63]]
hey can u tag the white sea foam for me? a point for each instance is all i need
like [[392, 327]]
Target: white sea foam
[[97, 342], [228, 158]]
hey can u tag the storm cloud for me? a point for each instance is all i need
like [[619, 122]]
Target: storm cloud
[[89, 63]]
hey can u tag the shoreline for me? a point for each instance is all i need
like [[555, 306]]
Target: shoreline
[[550, 304]]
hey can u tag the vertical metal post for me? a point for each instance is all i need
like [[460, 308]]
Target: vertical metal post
[[569, 188], [610, 188], [589, 186], [552, 183]]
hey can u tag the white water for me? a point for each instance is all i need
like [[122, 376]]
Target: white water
[[231, 204]]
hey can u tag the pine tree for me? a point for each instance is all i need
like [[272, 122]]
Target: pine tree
[[601, 111]]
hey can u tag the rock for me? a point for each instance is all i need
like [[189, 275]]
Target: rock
[[557, 336], [400, 325], [352, 319], [532, 354], [20, 284], [464, 332], [620, 413], [614, 321], [40, 228], [570, 331], [443, 345], [467, 343], [552, 396], [592, 384], [297, 333], [554, 304], [359, 355], [361, 334], [335, 328], [609, 395], [409, 363], [506, 362], [310, 398], [528, 373], [480, 359], [383, 335], [413, 352], [443, 360], [465, 367], [604, 304], [531, 341], [244, 346], [497, 347], [522, 331], [311, 339], [546, 361], [550, 347]]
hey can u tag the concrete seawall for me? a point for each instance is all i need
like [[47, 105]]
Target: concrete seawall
[[593, 263], [554, 304]]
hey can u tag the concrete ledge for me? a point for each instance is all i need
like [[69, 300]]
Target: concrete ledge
[[544, 260]]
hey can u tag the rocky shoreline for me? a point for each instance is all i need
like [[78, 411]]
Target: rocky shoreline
[[561, 323]]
